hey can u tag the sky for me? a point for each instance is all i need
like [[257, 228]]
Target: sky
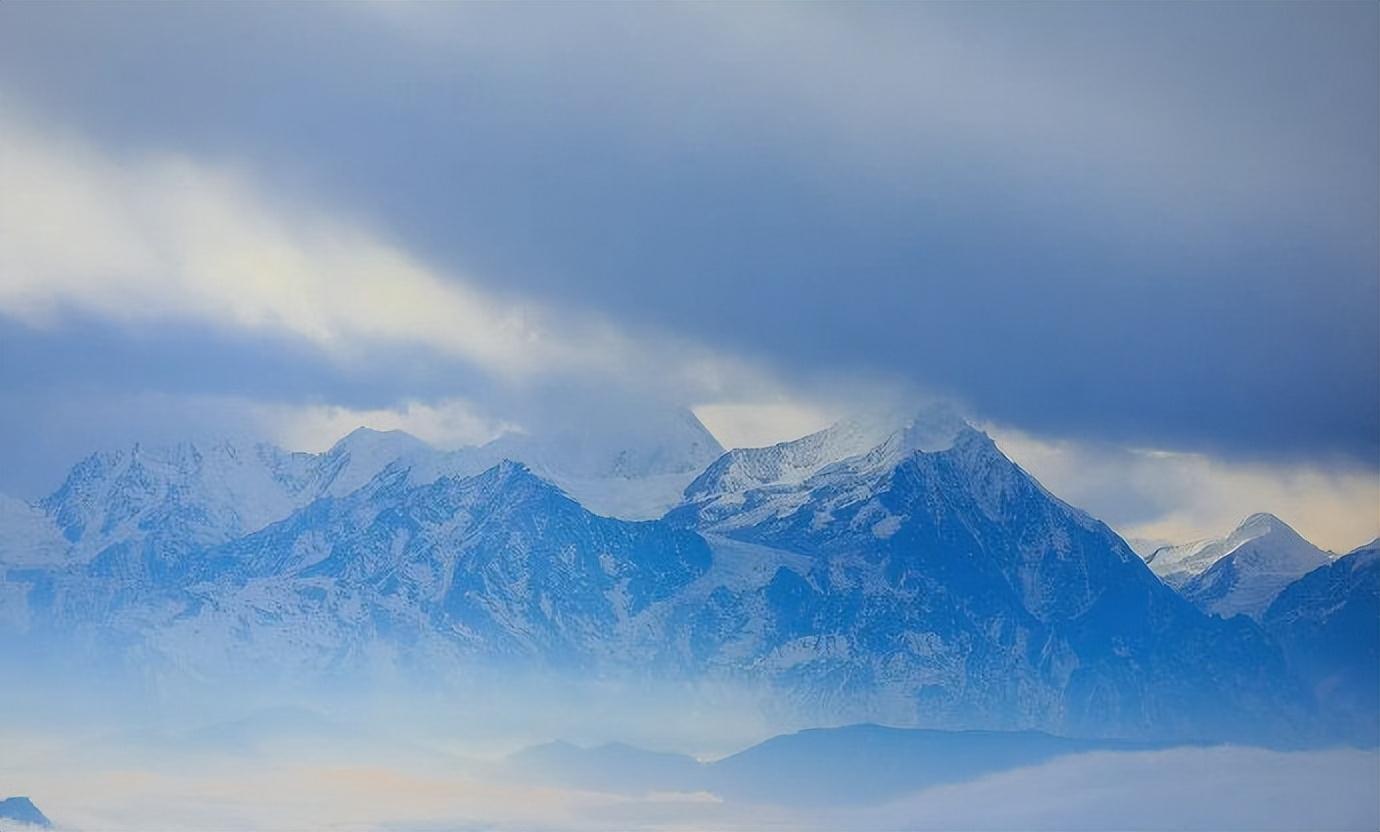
[[1138, 243]]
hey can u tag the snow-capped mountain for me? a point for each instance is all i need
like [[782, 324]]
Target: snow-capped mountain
[[945, 576], [144, 507], [502, 565], [724, 485], [140, 510], [905, 571], [1328, 622], [635, 472], [359, 456], [1241, 573]]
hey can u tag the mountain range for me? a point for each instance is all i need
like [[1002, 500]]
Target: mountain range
[[889, 569], [852, 764]]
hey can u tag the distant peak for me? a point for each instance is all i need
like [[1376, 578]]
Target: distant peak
[[511, 466], [366, 437], [939, 415], [516, 481], [364, 432], [510, 470], [1260, 523], [933, 427], [23, 810]]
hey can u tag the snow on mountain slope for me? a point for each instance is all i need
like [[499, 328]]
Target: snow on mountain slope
[[142, 508], [501, 565], [175, 498], [1177, 563], [360, 455], [875, 442], [1241, 573], [947, 582], [634, 470], [923, 579]]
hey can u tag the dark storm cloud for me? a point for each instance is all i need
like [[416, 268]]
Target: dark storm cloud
[[1149, 224], [89, 385]]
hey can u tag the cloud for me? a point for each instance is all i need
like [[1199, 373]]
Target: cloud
[[57, 437], [1172, 497], [448, 424], [1147, 225], [162, 240], [169, 238], [758, 424], [1221, 788]]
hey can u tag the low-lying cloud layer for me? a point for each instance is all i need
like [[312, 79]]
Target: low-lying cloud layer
[[1222, 789]]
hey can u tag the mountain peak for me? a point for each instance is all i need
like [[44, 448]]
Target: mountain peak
[[362, 438], [364, 452], [1181, 563], [509, 469], [1261, 523], [23, 810], [867, 442], [1245, 571], [932, 427], [512, 479], [935, 427]]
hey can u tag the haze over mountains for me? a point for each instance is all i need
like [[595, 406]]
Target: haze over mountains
[[887, 569]]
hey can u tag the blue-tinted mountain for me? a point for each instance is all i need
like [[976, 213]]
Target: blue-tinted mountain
[[908, 573], [872, 763], [945, 586], [1328, 622], [615, 768], [22, 810], [855, 764], [139, 511], [500, 566]]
